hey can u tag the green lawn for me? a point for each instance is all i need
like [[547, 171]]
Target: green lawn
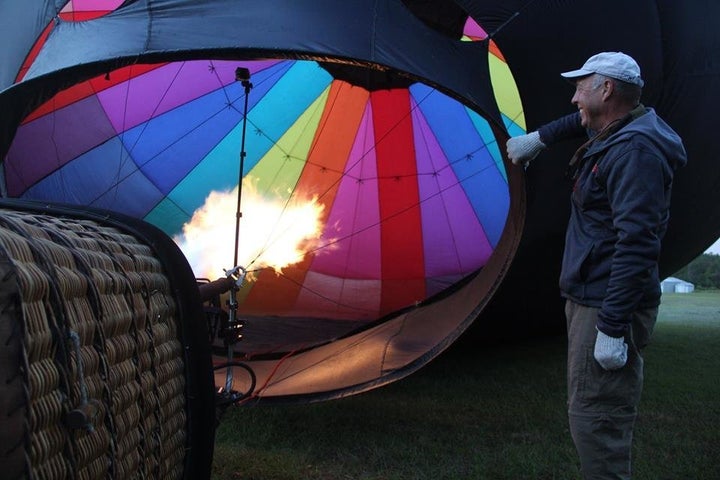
[[498, 413]]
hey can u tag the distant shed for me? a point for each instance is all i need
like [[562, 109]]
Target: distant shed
[[676, 285]]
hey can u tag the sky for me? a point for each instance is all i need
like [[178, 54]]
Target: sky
[[714, 248]]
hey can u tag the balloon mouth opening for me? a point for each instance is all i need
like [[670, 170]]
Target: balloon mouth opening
[[415, 116]]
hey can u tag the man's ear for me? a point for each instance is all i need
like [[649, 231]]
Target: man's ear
[[607, 88]]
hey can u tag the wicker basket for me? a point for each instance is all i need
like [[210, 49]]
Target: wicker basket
[[93, 358]]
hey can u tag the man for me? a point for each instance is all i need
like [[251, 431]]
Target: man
[[622, 178]]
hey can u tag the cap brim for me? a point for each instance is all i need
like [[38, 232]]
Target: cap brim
[[577, 73]]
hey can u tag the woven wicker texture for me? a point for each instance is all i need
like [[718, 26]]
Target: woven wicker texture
[[96, 344]]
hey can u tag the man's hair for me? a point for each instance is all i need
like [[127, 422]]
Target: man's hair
[[629, 93]]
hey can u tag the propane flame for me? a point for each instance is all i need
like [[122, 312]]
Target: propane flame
[[273, 232]]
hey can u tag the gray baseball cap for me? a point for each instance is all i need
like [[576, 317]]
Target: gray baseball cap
[[611, 64]]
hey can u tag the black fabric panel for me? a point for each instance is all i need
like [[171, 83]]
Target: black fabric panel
[[677, 45], [444, 16], [689, 101], [382, 32]]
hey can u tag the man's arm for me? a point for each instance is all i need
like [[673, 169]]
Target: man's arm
[[524, 148], [563, 128]]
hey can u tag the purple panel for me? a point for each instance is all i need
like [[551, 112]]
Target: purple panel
[[86, 5], [162, 89], [354, 218], [473, 29], [42, 146], [454, 240]]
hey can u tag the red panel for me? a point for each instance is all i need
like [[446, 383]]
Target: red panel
[[493, 48], [80, 16], [34, 52], [90, 87], [403, 266]]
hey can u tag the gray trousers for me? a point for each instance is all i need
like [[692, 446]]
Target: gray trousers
[[602, 405]]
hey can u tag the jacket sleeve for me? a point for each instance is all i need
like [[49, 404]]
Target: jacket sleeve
[[637, 187], [563, 128]]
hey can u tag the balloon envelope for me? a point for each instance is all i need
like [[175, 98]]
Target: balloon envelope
[[410, 211]]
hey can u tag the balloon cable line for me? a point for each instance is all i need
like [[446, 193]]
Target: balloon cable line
[[122, 158], [398, 213], [377, 141], [368, 227], [404, 210], [145, 125], [344, 174], [18, 173], [509, 20], [213, 70], [119, 178]]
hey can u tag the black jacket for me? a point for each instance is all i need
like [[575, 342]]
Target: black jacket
[[620, 208]]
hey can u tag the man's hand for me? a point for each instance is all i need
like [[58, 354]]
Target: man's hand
[[524, 148], [610, 352]]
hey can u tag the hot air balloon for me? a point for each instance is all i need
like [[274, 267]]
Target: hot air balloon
[[384, 169], [391, 163], [378, 125]]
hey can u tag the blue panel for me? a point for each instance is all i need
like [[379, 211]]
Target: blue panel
[[483, 128], [473, 164], [272, 116], [135, 195], [168, 217], [513, 128], [491, 200], [105, 177], [169, 146]]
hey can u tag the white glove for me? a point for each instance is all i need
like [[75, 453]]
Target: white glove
[[610, 352], [524, 148]]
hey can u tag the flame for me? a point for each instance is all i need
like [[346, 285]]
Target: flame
[[273, 233]]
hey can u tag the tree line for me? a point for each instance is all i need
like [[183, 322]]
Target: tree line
[[703, 272]]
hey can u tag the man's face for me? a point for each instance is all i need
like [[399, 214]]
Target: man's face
[[589, 100]]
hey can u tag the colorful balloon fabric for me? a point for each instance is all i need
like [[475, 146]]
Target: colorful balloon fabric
[[369, 197], [411, 182]]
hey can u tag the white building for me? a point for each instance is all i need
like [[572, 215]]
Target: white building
[[676, 285]]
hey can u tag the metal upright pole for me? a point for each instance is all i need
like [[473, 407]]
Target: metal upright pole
[[233, 332], [241, 75]]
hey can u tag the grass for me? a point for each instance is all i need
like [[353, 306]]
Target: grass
[[498, 413]]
